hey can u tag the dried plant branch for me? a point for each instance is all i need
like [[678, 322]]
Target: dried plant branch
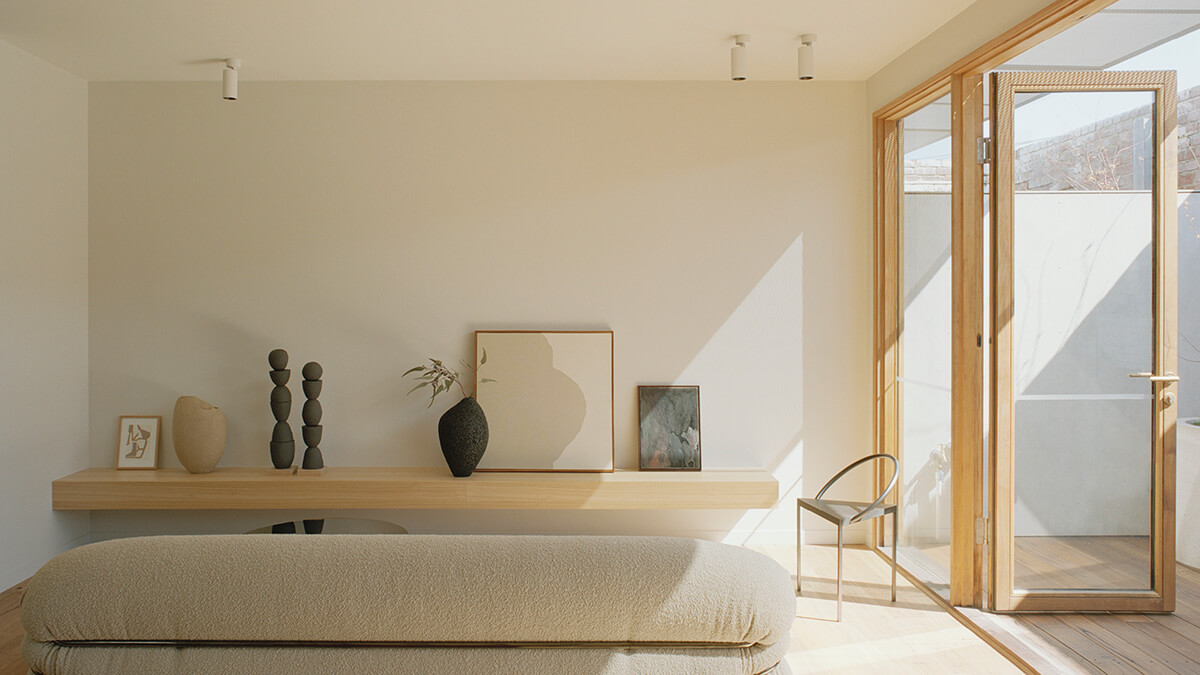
[[441, 378]]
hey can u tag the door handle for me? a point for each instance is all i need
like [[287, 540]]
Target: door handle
[[1169, 377]]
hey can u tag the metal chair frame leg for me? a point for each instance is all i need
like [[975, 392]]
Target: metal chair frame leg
[[839, 575], [799, 529], [895, 538]]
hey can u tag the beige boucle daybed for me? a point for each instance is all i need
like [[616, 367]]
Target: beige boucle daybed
[[408, 604]]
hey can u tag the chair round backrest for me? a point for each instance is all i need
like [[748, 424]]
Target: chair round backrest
[[883, 495]]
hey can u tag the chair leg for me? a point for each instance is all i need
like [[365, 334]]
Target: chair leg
[[799, 522], [895, 538], [839, 575]]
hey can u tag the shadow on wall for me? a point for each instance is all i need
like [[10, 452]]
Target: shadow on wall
[[525, 369], [1074, 455], [771, 430], [771, 319], [1079, 340]]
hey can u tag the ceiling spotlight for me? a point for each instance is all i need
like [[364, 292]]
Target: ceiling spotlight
[[737, 58], [229, 79], [804, 56]]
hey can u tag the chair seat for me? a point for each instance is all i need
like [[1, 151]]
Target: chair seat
[[841, 512]]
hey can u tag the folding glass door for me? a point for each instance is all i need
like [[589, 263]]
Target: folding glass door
[[1083, 353]]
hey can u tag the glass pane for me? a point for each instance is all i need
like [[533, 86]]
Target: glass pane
[[925, 347], [1082, 322]]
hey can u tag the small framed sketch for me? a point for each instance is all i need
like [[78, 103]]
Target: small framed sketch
[[137, 441], [669, 428]]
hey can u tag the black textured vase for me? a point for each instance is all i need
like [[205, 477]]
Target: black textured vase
[[463, 432]]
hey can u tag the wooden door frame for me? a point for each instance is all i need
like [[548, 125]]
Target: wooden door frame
[[1161, 596], [962, 80]]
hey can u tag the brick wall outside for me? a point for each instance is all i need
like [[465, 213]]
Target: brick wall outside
[[1189, 140], [1108, 155], [927, 175]]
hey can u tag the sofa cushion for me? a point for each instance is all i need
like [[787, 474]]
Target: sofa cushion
[[412, 590]]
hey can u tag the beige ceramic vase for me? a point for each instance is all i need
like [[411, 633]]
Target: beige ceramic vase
[[198, 431]]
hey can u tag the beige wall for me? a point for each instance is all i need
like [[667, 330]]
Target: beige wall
[[720, 230], [972, 28], [43, 305]]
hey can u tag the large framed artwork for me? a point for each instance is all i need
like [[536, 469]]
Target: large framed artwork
[[548, 398], [669, 428]]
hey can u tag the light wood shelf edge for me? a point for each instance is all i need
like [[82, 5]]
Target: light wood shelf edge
[[411, 488]]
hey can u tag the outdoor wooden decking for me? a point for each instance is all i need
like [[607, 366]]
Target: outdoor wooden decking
[[1106, 643], [1090, 643], [1083, 562]]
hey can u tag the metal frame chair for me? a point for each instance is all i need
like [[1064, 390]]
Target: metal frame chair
[[843, 513]]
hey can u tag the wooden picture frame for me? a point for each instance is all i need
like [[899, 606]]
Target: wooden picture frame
[[548, 398], [669, 428], [138, 441]]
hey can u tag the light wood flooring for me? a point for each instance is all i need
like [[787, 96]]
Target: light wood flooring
[[11, 632], [914, 635]]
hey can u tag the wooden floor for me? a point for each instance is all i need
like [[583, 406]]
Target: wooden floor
[[912, 636], [11, 632], [1053, 562], [1106, 643], [1090, 643], [1082, 562]]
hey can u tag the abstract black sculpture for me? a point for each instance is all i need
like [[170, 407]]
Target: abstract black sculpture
[[312, 417], [283, 444]]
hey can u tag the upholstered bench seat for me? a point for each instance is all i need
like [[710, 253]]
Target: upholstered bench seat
[[408, 604]]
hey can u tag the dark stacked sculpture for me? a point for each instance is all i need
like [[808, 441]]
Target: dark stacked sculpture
[[283, 444], [312, 417]]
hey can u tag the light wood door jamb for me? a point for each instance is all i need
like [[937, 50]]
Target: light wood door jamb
[[966, 367]]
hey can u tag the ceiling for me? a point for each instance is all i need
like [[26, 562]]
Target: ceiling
[[156, 40]]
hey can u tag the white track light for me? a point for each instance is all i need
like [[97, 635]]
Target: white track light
[[804, 56], [229, 79], [737, 58]]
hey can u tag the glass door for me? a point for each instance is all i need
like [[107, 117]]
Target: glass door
[[1083, 378], [923, 368]]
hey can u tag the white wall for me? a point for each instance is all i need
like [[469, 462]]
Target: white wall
[[44, 304], [972, 28], [721, 230]]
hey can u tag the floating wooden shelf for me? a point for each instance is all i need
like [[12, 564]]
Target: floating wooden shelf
[[407, 488]]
